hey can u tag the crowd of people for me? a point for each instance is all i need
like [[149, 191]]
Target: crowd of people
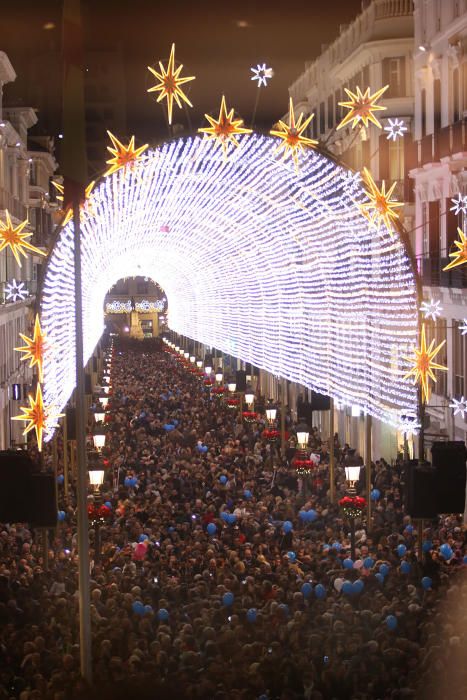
[[218, 573]]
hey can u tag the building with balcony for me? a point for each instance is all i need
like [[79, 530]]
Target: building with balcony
[[26, 167], [440, 176], [136, 307]]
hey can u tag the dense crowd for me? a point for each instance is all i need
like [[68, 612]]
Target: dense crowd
[[212, 583]]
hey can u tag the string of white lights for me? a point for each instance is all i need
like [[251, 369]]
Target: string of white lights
[[275, 267]]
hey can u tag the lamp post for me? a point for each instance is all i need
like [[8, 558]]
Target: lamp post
[[96, 479], [99, 438], [352, 475], [271, 413]]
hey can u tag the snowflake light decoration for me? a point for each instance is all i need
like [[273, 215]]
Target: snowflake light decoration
[[15, 290], [423, 364], [224, 129], [460, 204], [169, 84], [361, 106], [460, 255], [380, 209], [459, 406], [463, 328], [291, 135], [262, 74], [14, 237], [431, 309], [395, 128], [123, 156], [34, 348]]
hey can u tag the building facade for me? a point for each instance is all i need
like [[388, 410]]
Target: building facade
[[440, 182]]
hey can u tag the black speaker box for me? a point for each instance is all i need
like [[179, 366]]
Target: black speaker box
[[305, 412], [420, 490], [16, 469], [43, 501], [449, 463], [319, 402], [240, 380], [71, 423]]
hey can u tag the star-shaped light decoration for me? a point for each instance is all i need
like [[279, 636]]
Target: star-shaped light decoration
[[380, 209], [431, 309], [262, 74], [15, 290], [361, 106], [226, 128], [169, 84], [34, 348], [459, 256], [84, 207], [292, 139], [14, 237], [35, 415], [123, 156], [463, 328], [460, 204], [459, 406], [395, 128], [423, 364]]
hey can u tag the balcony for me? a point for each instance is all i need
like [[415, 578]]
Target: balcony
[[14, 206], [432, 275]]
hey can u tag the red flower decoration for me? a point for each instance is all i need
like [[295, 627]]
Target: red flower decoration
[[232, 402], [217, 390], [250, 416], [353, 506], [270, 435]]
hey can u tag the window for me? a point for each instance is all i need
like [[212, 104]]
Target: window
[[322, 118], [456, 107], [396, 159], [437, 105], [459, 360], [330, 112], [394, 76], [434, 228]]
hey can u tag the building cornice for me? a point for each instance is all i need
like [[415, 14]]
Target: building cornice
[[7, 72]]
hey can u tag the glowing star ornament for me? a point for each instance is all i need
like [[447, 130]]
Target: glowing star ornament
[[423, 364], [262, 74], [380, 209], [169, 84], [15, 291], [460, 205], [34, 348], [35, 415], [395, 128], [226, 128], [459, 406], [123, 156], [459, 256], [431, 309], [84, 207], [361, 106], [291, 135], [14, 237]]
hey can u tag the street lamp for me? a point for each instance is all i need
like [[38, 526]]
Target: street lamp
[[219, 376], [104, 400], [231, 386], [303, 435], [271, 413], [352, 475], [208, 370], [192, 359], [96, 475], [199, 363], [249, 400], [99, 416], [99, 440]]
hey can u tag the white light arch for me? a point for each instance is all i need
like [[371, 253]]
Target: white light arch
[[275, 267]]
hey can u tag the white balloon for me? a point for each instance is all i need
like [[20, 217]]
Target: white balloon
[[358, 564], [338, 583]]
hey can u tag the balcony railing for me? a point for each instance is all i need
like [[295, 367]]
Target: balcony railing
[[14, 206], [432, 274]]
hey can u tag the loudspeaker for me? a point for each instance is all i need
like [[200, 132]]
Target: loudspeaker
[[305, 412], [449, 462], [319, 402], [71, 423], [240, 380], [16, 468], [420, 490], [43, 501]]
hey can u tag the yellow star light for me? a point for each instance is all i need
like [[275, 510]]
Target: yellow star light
[[85, 206], [15, 238], [123, 156], [380, 209], [361, 106], [293, 141], [224, 129], [423, 364], [169, 84], [459, 256], [34, 348], [35, 415]]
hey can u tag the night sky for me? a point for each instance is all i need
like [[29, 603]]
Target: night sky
[[216, 42]]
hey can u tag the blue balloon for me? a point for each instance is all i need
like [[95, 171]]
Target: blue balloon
[[391, 622], [287, 526], [232, 519], [168, 427], [307, 589], [60, 479], [171, 528], [337, 546], [204, 449], [384, 569], [292, 556], [426, 582], [284, 609], [375, 495], [311, 515], [223, 479], [251, 615], [401, 549], [61, 515], [426, 546], [347, 563], [247, 493], [347, 588], [368, 563], [446, 551], [148, 609], [405, 567], [163, 615], [143, 538], [108, 504], [379, 577], [465, 559], [133, 481], [211, 528], [138, 607], [409, 529], [127, 481], [320, 591], [303, 515], [174, 421], [227, 599], [225, 516], [358, 586]]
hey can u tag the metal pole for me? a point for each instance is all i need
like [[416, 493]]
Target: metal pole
[[421, 435], [332, 483], [81, 482], [283, 392], [352, 538], [368, 470]]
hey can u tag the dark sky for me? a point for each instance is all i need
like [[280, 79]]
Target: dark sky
[[216, 41]]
